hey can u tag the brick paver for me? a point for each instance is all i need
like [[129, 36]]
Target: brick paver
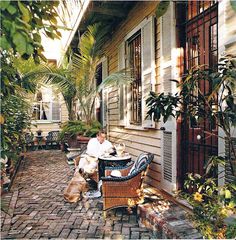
[[37, 208]]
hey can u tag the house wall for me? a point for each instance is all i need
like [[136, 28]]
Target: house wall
[[137, 140]]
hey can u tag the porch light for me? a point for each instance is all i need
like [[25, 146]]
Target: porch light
[[199, 137]]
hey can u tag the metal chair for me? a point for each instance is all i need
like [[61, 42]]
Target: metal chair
[[29, 141], [125, 191], [52, 140]]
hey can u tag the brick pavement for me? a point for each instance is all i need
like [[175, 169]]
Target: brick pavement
[[38, 210]]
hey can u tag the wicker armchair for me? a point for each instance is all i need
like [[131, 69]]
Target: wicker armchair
[[125, 191], [52, 139]]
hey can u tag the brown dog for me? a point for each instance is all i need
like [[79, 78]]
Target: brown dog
[[76, 187]]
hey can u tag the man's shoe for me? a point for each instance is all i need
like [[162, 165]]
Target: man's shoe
[[96, 194], [100, 185]]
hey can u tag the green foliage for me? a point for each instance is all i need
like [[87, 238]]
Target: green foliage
[[162, 8], [191, 103], [211, 203], [233, 5], [15, 80], [73, 128], [17, 119], [161, 105], [231, 230], [77, 79], [22, 24]]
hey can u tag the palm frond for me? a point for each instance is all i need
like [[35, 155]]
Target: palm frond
[[122, 77]]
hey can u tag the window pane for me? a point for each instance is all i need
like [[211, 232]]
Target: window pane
[[55, 111], [134, 46], [36, 112]]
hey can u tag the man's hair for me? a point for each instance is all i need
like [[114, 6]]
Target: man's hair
[[101, 132]]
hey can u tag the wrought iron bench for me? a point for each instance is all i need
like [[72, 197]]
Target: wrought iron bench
[[53, 140]]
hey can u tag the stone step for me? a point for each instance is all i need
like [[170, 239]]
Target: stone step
[[166, 219]]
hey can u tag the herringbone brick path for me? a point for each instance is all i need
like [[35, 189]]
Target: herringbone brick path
[[38, 210]]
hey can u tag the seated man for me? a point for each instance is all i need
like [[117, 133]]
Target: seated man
[[96, 147]]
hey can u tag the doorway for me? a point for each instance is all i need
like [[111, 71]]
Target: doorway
[[198, 139]]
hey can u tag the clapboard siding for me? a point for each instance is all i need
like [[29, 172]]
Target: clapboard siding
[[113, 105], [137, 141], [64, 113], [141, 139]]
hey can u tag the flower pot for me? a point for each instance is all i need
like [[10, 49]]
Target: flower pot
[[83, 138]]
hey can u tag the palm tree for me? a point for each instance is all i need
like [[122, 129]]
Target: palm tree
[[77, 81]]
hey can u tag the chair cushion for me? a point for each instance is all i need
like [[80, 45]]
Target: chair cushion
[[142, 159], [115, 173]]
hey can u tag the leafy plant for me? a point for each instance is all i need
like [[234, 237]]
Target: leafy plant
[[231, 230], [162, 8], [211, 203], [16, 120], [77, 80], [192, 104], [22, 24], [72, 129]]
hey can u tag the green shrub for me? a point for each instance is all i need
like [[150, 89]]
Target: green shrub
[[73, 128]]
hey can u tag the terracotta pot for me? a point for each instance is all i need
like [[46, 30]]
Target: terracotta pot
[[62, 147], [83, 138]]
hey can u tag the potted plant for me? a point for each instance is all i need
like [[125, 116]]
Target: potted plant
[[75, 131], [211, 203]]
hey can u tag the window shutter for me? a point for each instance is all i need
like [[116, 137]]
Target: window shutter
[[121, 96], [167, 156], [148, 69], [56, 111], [104, 93]]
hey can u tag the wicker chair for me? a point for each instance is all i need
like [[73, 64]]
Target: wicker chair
[[52, 139], [125, 191]]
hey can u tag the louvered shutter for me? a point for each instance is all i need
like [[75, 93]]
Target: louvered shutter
[[56, 111], [104, 93], [148, 69], [167, 155], [166, 51], [121, 90], [167, 68]]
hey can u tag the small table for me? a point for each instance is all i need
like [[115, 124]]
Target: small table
[[111, 161]]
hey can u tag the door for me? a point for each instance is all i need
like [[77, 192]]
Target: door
[[198, 138], [98, 106]]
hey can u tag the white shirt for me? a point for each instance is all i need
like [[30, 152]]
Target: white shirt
[[95, 148]]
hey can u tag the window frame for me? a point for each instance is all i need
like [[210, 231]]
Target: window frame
[[126, 122], [50, 111]]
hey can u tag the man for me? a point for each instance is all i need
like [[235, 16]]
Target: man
[[96, 147]]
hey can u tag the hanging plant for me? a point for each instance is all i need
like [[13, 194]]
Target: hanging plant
[[162, 8], [233, 4]]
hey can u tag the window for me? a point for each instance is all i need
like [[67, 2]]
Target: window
[[46, 107], [137, 52], [134, 50]]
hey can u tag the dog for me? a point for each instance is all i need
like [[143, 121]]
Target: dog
[[76, 187]]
